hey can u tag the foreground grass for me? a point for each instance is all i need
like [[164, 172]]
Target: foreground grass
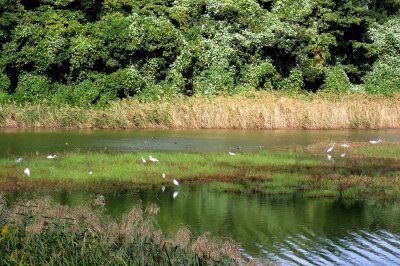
[[39, 233], [260, 110], [365, 171]]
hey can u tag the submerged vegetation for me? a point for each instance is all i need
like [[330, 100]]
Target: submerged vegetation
[[39, 232], [261, 110], [360, 171], [90, 53]]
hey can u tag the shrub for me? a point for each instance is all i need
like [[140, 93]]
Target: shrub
[[384, 77], [336, 80], [32, 87]]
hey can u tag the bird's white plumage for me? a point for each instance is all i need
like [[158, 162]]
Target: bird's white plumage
[[231, 153], [27, 172], [175, 194], [153, 160], [330, 149], [163, 175], [375, 141], [176, 183], [51, 156]]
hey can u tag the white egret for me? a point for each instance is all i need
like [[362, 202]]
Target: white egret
[[153, 160], [329, 157], [66, 143], [163, 175], [375, 141], [175, 194], [176, 183], [143, 160], [51, 156], [27, 172], [343, 154], [345, 145], [163, 188], [330, 149], [90, 172], [231, 153], [18, 160]]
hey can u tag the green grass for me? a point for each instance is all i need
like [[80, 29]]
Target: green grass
[[366, 171]]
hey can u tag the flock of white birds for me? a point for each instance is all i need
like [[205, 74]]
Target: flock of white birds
[[344, 145], [329, 151]]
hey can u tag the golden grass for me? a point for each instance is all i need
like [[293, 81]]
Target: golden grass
[[262, 110]]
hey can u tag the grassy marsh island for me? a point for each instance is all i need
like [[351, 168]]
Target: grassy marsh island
[[361, 171]]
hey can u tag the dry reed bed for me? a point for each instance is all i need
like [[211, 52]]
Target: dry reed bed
[[262, 111], [38, 232]]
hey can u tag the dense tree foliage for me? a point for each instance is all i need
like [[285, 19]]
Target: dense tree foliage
[[93, 51]]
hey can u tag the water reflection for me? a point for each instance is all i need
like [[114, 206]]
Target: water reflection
[[16, 143], [286, 229]]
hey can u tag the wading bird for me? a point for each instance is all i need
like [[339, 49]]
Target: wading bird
[[176, 183], [345, 145], [90, 172], [163, 175], [163, 188], [51, 156], [27, 172], [231, 153], [175, 194], [343, 154], [143, 160], [153, 160], [329, 157], [18, 160], [330, 149], [375, 141]]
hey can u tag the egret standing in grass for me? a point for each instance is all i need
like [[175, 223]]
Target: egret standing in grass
[[231, 153], [90, 172], [51, 156], [163, 175], [153, 160], [176, 183], [163, 188], [18, 160], [375, 141], [329, 157], [143, 160], [27, 171], [330, 149], [343, 154], [345, 145]]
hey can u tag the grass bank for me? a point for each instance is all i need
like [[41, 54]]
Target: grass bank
[[261, 110], [41, 233], [366, 170]]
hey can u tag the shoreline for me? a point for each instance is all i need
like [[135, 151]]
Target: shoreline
[[259, 110]]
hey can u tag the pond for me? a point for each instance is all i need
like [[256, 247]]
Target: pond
[[286, 229], [14, 142]]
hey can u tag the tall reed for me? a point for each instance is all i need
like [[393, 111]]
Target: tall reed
[[36, 232], [262, 110]]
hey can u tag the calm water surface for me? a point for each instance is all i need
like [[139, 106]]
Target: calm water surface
[[19, 142], [287, 229]]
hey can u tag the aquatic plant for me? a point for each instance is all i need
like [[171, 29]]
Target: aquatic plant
[[40, 232]]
